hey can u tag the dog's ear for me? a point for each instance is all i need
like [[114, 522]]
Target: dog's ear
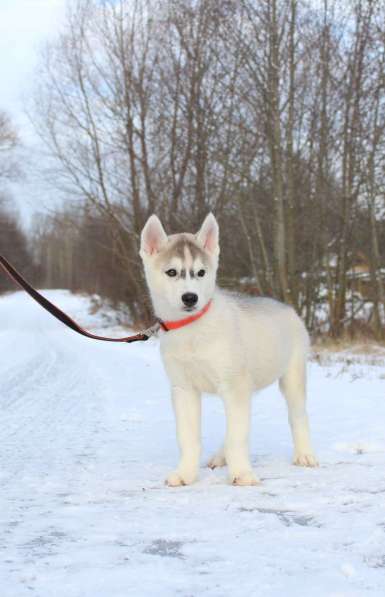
[[208, 235], [153, 237]]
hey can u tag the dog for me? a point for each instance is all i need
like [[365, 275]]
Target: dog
[[221, 343]]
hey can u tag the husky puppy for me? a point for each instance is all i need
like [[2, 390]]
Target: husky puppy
[[223, 344]]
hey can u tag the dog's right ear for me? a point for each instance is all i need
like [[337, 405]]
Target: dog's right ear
[[153, 237]]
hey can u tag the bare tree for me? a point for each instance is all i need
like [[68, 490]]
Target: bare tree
[[269, 112], [9, 141]]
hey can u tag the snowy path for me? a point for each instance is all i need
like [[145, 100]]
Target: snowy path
[[87, 437]]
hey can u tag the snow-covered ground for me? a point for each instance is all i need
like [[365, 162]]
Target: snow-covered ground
[[87, 437]]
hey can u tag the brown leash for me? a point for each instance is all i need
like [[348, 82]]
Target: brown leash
[[63, 317]]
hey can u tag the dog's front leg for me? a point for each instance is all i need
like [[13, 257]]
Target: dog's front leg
[[187, 408], [237, 439]]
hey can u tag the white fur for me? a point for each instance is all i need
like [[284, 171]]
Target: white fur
[[239, 346]]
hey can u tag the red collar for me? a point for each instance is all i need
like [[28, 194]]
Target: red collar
[[180, 323]]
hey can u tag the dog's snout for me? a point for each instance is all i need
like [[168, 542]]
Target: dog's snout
[[190, 299]]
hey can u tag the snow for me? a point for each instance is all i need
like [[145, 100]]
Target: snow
[[88, 437]]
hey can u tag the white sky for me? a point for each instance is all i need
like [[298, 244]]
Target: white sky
[[24, 26]]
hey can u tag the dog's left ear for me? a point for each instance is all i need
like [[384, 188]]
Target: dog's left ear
[[208, 235], [153, 237]]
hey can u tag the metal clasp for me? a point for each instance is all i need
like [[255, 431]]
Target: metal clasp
[[152, 330]]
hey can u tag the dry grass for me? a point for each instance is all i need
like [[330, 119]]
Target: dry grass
[[350, 356], [362, 346]]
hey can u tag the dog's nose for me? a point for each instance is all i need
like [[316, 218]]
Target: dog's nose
[[190, 299]]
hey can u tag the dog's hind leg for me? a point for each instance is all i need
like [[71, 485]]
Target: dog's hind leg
[[218, 460], [293, 387]]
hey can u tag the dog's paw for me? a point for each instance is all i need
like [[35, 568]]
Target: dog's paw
[[178, 479], [217, 460], [305, 460], [247, 478]]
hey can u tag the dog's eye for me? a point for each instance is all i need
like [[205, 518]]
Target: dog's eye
[[201, 273], [171, 273]]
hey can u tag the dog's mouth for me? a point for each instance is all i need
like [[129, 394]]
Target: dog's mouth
[[189, 309]]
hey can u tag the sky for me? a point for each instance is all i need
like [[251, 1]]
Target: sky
[[25, 25]]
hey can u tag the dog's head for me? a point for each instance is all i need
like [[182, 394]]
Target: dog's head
[[181, 268]]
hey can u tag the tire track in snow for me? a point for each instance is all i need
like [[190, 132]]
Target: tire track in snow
[[47, 402]]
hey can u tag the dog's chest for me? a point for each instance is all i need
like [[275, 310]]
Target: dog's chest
[[191, 360]]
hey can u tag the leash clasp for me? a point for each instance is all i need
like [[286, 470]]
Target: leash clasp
[[152, 330]]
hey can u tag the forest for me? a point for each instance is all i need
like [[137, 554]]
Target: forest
[[270, 114]]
